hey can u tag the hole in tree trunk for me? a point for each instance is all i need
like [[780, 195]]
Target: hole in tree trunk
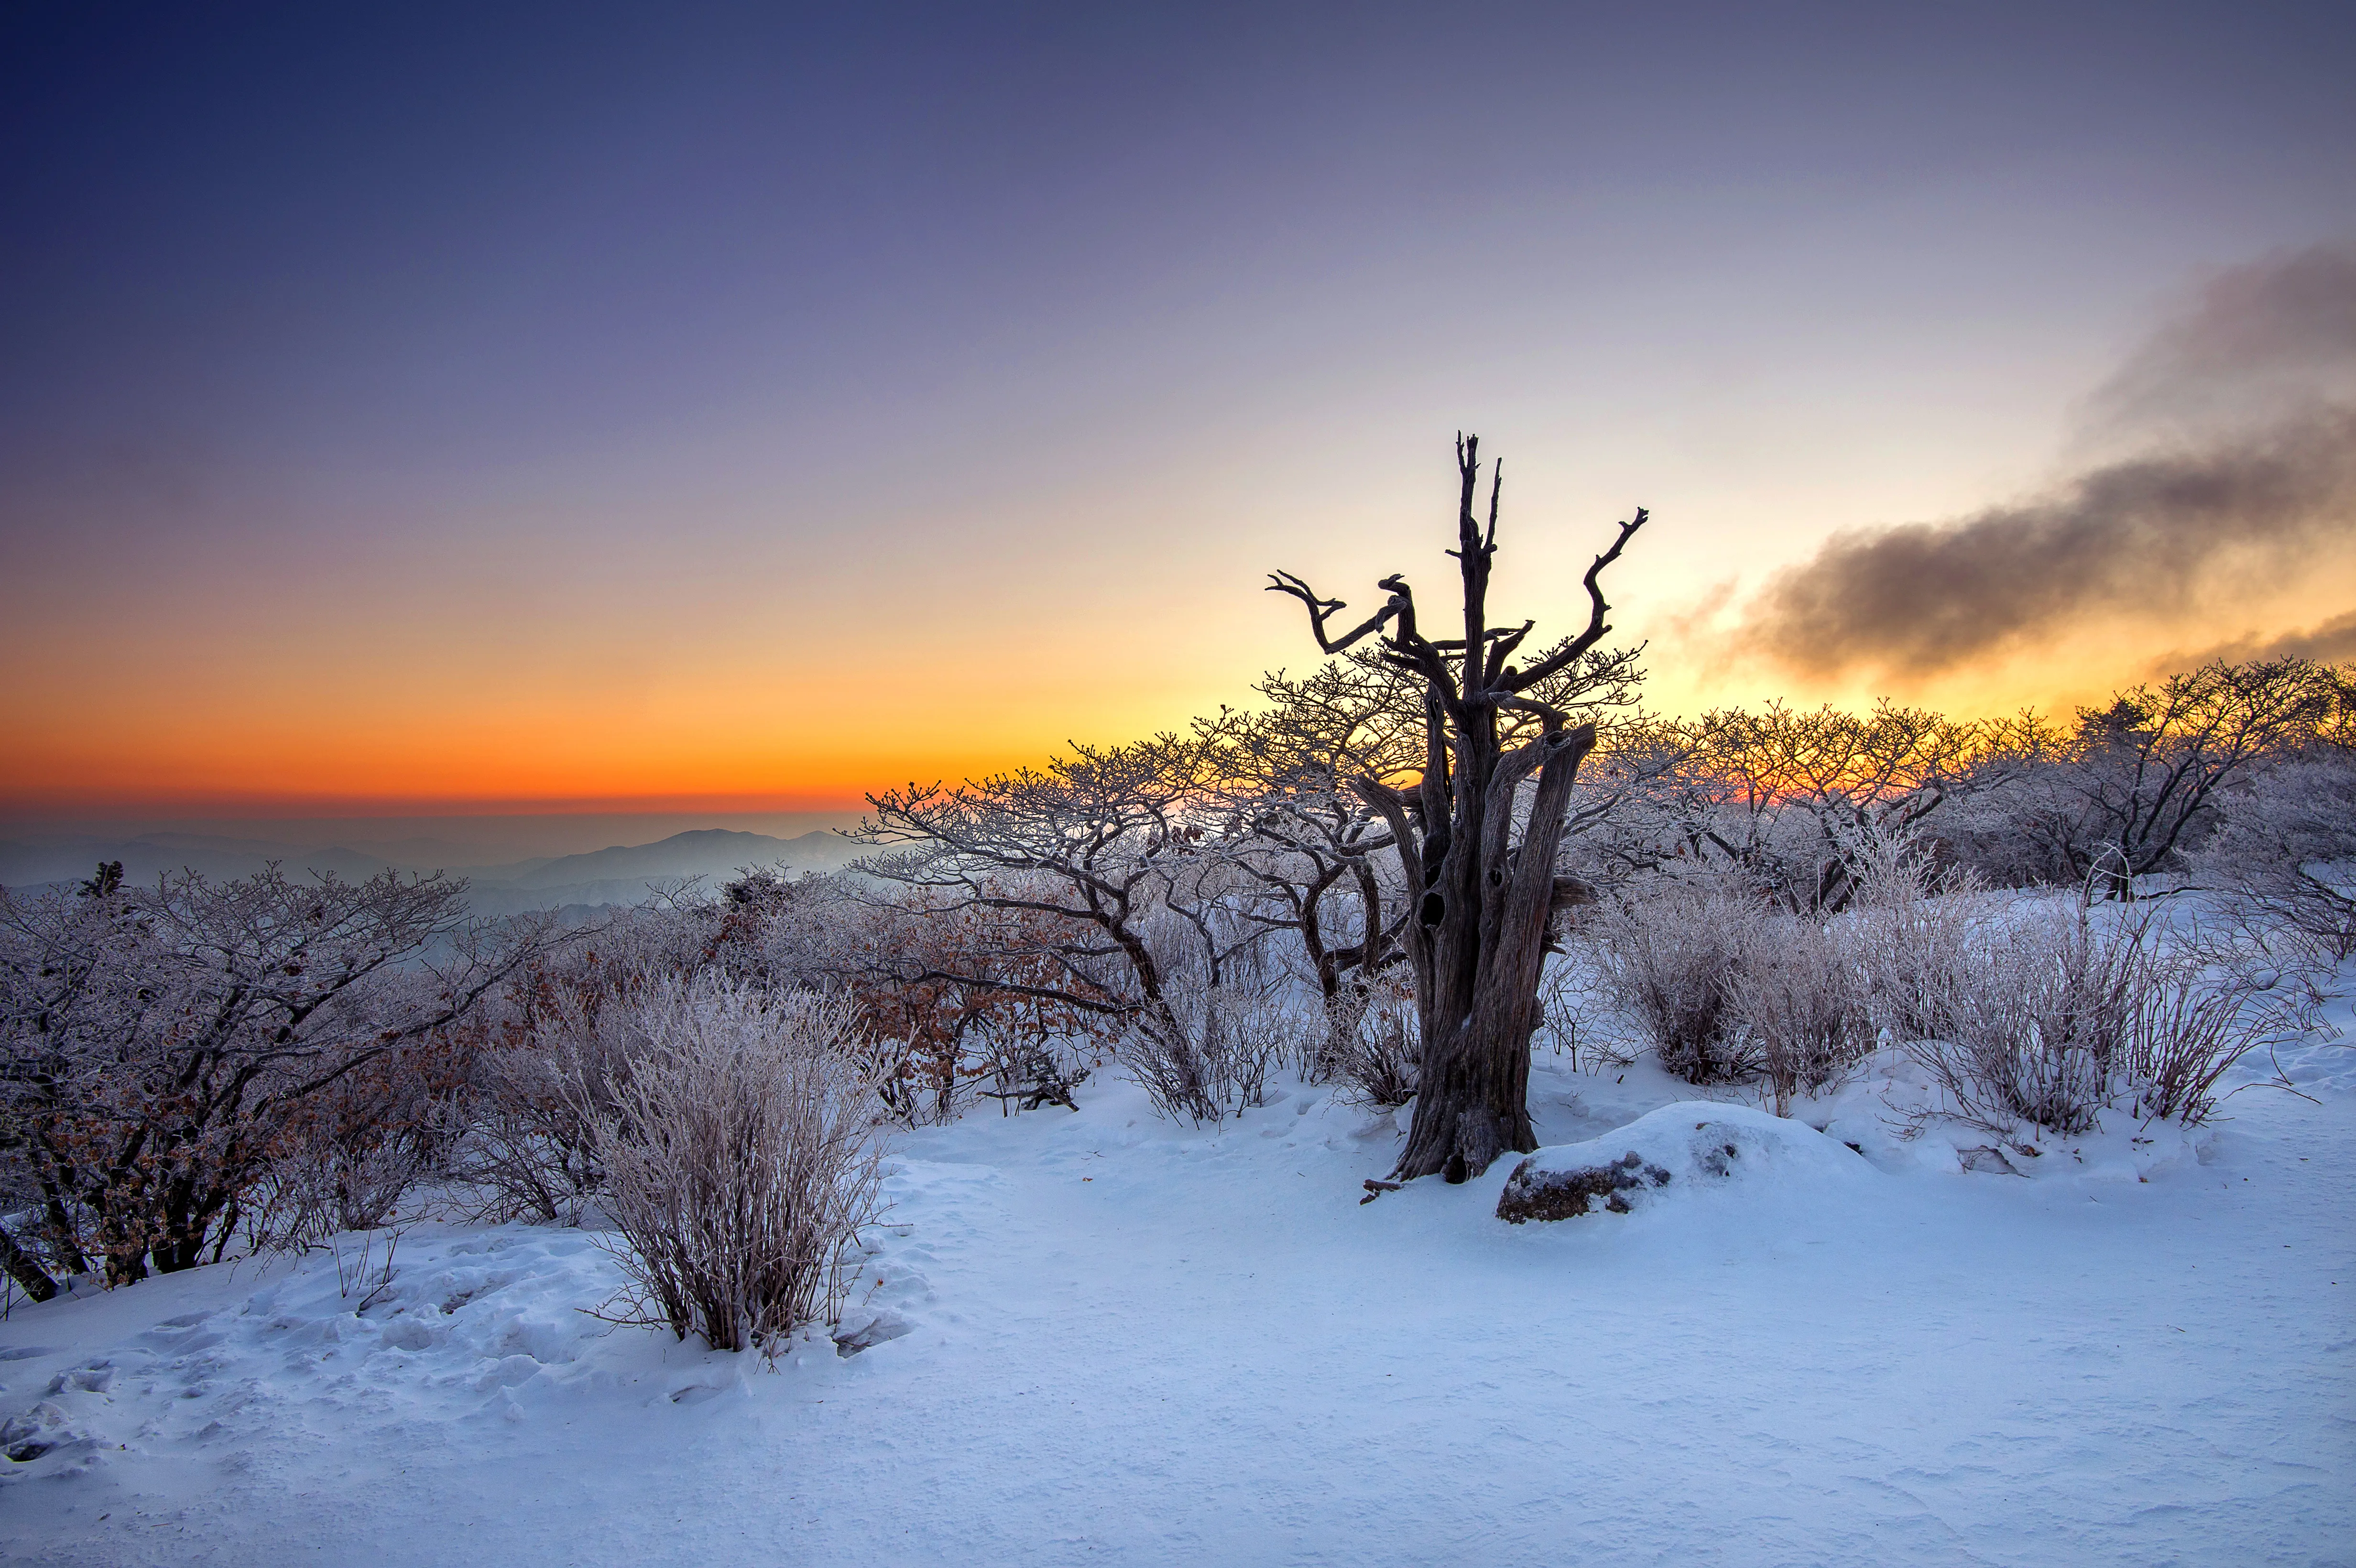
[[1434, 908]]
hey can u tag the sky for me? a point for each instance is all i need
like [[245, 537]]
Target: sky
[[726, 410]]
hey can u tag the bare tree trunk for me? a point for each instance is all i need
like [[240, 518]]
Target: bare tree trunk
[[58, 1219], [1476, 949], [1479, 935], [30, 1276]]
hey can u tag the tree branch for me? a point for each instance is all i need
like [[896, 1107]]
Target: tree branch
[[1320, 610], [1522, 681]]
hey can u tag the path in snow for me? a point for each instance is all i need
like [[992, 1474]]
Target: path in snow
[[1129, 1342]]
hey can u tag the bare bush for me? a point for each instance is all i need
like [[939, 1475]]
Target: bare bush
[[962, 1000], [1167, 1060], [1569, 991], [2231, 980], [1668, 954], [1256, 1032], [1026, 1069], [354, 1155], [2186, 1030], [740, 1158]]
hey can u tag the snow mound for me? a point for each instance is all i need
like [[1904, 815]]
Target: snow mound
[[1691, 1146]]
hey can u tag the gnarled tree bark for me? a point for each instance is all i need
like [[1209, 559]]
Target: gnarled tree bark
[[1484, 902]]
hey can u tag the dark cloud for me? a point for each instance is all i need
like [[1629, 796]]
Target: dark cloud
[[2247, 469], [2334, 641]]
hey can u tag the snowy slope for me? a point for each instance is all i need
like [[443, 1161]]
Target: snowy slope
[[1130, 1342]]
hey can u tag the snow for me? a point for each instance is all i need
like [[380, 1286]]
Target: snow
[[1102, 1337]]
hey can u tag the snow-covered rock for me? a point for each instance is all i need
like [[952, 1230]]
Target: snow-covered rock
[[1686, 1147]]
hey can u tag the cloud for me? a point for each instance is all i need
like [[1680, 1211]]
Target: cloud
[[2258, 341], [2133, 537], [2244, 470], [2332, 642]]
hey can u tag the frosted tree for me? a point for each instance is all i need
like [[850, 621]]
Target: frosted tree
[[158, 1044]]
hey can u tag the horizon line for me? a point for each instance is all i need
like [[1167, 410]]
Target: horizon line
[[330, 808]]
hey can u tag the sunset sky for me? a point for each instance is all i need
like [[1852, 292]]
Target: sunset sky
[[712, 409]]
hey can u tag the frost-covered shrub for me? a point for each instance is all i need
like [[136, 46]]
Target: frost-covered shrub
[[545, 1075], [1917, 938], [1667, 955], [741, 1157], [2036, 1033], [2135, 787], [174, 1056], [2018, 1017], [1799, 1007], [2047, 1015], [1377, 1048], [1208, 1050]]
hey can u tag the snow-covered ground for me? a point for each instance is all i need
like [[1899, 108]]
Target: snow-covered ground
[[1099, 1338]]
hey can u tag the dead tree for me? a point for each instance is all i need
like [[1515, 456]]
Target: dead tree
[[1483, 901], [1317, 856]]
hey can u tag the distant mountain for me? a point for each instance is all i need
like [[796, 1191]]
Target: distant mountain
[[626, 874], [623, 874], [151, 854], [708, 851]]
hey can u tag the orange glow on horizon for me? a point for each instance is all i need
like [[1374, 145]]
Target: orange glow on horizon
[[765, 688], [492, 762]]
